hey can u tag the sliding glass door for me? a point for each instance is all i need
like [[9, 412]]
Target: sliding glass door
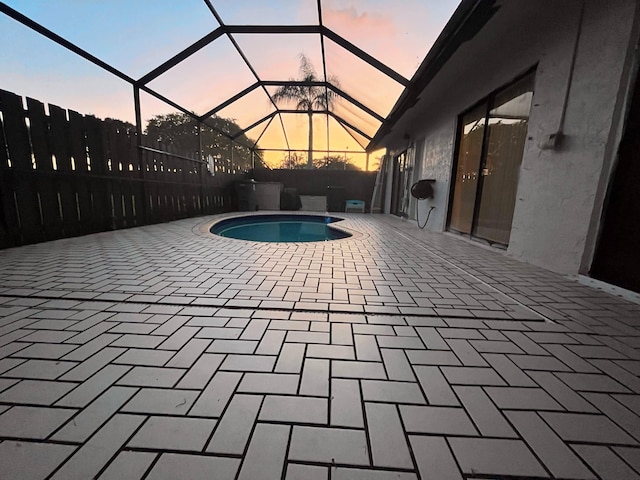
[[492, 138], [469, 157], [401, 169]]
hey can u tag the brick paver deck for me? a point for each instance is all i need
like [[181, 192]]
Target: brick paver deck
[[163, 352]]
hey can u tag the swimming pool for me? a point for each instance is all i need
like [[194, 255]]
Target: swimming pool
[[280, 228]]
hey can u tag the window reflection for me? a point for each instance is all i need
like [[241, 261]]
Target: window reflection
[[508, 123], [466, 181], [488, 163]]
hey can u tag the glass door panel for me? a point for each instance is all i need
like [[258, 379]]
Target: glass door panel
[[398, 185], [468, 165], [507, 132]]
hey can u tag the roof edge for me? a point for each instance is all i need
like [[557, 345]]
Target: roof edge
[[467, 20]]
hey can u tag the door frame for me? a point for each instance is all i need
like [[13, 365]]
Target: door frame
[[488, 101], [397, 186]]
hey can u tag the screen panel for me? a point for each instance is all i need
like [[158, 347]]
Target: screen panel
[[342, 137], [277, 56], [259, 12], [356, 117], [207, 78], [133, 36], [36, 67], [248, 109], [399, 36], [361, 80]]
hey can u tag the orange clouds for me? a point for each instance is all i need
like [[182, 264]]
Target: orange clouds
[[396, 33], [360, 23]]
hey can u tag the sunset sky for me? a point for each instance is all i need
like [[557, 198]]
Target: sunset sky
[[135, 36]]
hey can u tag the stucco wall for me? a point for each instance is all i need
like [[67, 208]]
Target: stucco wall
[[435, 163], [558, 187], [557, 190]]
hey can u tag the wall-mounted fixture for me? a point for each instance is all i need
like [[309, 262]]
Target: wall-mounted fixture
[[551, 141], [422, 190]]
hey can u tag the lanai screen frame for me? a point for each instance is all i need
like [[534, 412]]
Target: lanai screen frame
[[142, 83]]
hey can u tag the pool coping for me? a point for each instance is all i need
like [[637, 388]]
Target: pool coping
[[204, 228]]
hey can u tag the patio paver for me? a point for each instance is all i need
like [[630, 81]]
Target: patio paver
[[396, 353]]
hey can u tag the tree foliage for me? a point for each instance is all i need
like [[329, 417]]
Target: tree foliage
[[293, 161], [296, 161], [334, 162], [178, 132], [307, 98]]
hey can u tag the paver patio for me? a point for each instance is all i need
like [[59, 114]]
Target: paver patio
[[163, 352]]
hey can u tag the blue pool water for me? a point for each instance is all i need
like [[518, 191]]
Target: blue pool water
[[280, 228]]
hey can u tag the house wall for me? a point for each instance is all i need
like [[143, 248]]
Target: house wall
[[558, 188], [560, 191], [436, 164]]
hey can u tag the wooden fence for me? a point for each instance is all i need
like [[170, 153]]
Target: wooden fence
[[63, 174]]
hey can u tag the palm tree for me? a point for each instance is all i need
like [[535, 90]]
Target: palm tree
[[307, 97]]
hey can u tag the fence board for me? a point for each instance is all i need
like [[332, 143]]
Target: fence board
[[133, 158], [77, 142], [4, 159], [9, 222], [59, 128], [47, 192], [97, 145], [126, 189], [154, 165], [27, 207], [115, 199], [17, 135], [84, 202], [69, 206], [153, 202], [39, 131], [116, 152]]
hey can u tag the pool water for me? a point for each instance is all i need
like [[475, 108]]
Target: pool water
[[280, 228]]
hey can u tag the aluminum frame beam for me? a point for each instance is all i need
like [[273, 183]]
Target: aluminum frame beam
[[229, 30], [179, 57]]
